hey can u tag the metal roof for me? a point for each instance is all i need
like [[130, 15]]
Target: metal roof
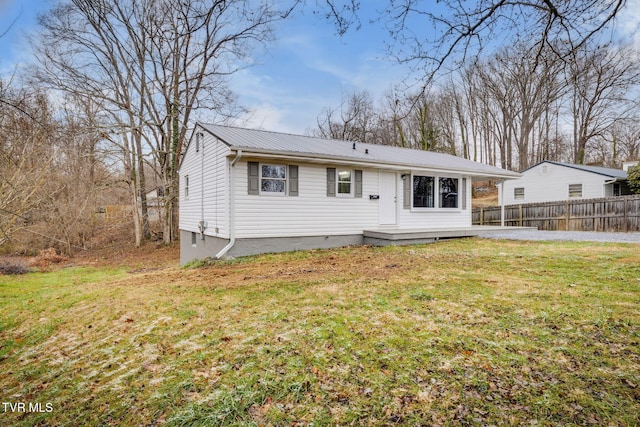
[[609, 172], [266, 142]]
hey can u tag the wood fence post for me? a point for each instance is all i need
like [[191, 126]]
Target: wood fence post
[[567, 213], [625, 227], [520, 215], [481, 216]]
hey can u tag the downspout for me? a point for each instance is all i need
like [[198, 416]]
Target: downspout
[[502, 204], [202, 225], [232, 234]]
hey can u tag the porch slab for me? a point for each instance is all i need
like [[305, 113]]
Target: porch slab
[[404, 236]]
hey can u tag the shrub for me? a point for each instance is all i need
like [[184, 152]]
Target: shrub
[[633, 179], [47, 257], [10, 268]]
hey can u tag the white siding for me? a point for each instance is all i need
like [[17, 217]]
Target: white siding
[[214, 193], [548, 182], [313, 213]]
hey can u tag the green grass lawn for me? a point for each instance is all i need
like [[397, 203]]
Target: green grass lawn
[[464, 332]]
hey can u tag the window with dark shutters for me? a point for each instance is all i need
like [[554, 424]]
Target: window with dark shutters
[[272, 179]]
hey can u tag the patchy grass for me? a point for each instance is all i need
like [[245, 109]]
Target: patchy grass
[[471, 332]]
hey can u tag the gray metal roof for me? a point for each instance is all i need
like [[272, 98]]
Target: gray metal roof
[[260, 141], [609, 172]]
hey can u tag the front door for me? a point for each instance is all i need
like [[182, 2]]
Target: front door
[[388, 198]]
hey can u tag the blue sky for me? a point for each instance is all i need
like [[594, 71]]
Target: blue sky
[[310, 68], [307, 69]]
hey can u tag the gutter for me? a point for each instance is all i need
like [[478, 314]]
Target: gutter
[[202, 225], [232, 234], [618, 179]]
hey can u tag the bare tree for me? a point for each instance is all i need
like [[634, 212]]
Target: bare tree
[[26, 157], [151, 64], [428, 35], [73, 192], [601, 79], [519, 90], [354, 120]]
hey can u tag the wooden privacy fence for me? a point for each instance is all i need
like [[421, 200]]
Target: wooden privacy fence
[[608, 214]]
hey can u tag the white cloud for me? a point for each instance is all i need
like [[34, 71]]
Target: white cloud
[[629, 22]]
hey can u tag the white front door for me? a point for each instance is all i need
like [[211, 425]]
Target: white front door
[[388, 198]]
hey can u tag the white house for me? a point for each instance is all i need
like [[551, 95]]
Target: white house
[[552, 181], [248, 191]]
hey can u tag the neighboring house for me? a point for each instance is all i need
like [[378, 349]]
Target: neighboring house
[[155, 204], [552, 181], [248, 191]]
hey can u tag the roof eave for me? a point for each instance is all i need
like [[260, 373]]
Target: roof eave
[[317, 158]]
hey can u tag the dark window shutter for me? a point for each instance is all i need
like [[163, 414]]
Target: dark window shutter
[[331, 182], [463, 194], [406, 192], [293, 180], [358, 192], [254, 178]]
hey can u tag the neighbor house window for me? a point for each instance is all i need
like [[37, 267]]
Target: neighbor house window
[[186, 186], [423, 191], [518, 193], [344, 182], [575, 190], [448, 192], [273, 179]]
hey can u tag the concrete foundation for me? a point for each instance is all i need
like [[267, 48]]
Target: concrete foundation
[[210, 246], [193, 247]]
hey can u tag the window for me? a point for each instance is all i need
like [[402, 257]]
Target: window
[[193, 239], [616, 189], [423, 191], [186, 186], [344, 182], [518, 193], [273, 179], [448, 192], [575, 190]]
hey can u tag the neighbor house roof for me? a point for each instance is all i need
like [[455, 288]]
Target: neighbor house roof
[[274, 143], [608, 172]]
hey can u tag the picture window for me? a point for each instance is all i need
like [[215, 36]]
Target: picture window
[[424, 192]]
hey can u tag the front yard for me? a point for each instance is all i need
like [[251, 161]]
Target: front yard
[[466, 332]]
